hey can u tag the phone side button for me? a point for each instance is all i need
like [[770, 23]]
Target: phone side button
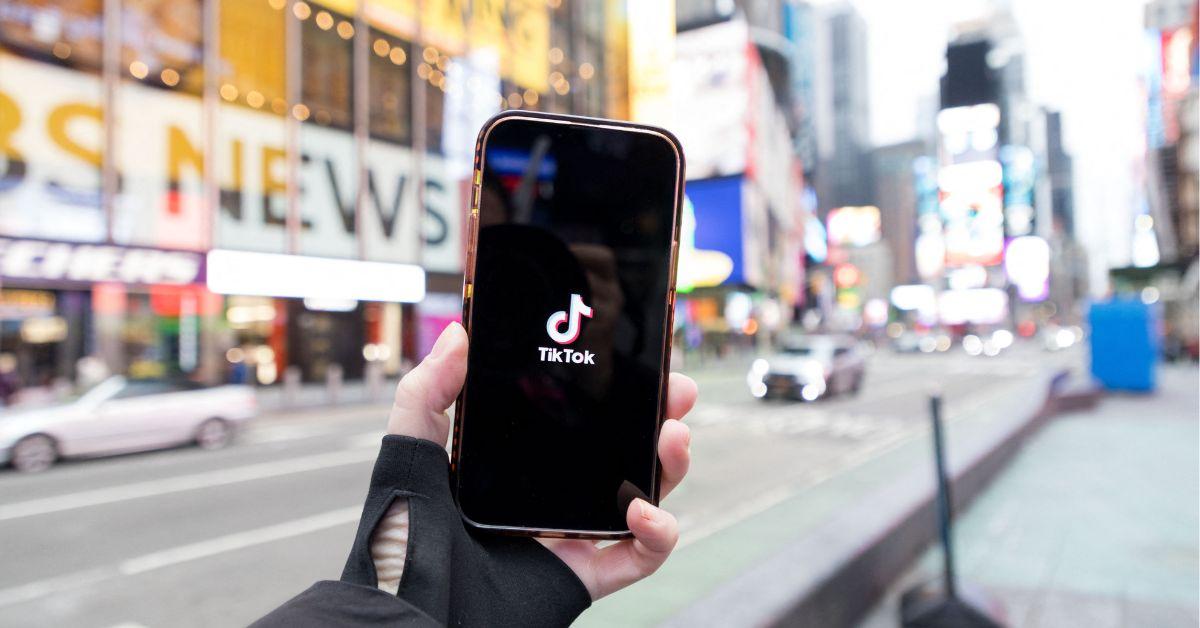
[[472, 222]]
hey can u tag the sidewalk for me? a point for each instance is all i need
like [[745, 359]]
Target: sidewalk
[[275, 398], [1094, 524]]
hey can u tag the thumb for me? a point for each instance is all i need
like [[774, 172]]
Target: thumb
[[425, 393]]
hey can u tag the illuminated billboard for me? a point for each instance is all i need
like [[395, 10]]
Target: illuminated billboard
[[1019, 215], [972, 207], [853, 226], [971, 186], [1027, 265]]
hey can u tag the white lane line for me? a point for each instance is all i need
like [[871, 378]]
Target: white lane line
[[283, 433], [41, 588], [238, 540], [180, 554], [151, 488]]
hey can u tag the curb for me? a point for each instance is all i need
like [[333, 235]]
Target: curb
[[871, 543]]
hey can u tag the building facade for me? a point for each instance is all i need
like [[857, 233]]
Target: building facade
[[139, 137]]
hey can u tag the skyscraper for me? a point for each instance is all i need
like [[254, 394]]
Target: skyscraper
[[841, 116]]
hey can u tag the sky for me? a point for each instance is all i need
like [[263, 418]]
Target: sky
[[1081, 57]]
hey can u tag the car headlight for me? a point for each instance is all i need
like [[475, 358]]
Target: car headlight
[[760, 367]]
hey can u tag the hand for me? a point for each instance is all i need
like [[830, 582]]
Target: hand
[[419, 411]]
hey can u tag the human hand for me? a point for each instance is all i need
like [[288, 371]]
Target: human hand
[[419, 411]]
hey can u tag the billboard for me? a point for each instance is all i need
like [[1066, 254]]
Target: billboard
[[709, 80], [853, 226], [651, 50], [1019, 174], [518, 30], [51, 176], [971, 185], [719, 222]]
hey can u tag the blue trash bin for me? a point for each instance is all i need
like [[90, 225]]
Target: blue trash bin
[[1124, 344]]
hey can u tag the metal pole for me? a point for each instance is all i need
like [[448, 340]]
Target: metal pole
[[420, 137], [362, 93], [943, 496], [292, 87], [110, 175], [208, 102]]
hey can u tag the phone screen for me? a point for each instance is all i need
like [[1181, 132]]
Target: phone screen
[[573, 263]]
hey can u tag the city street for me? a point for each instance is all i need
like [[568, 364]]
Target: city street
[[192, 538]]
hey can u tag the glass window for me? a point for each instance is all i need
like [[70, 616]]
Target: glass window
[[65, 32], [251, 149], [51, 120], [435, 107], [390, 89], [162, 43], [431, 69], [252, 54], [144, 388], [329, 166], [160, 201], [327, 68]]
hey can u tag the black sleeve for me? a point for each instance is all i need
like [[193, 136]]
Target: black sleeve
[[452, 575]]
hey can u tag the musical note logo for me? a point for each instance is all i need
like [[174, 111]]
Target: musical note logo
[[578, 310]]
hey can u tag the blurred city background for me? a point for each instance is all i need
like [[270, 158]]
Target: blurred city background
[[236, 223]]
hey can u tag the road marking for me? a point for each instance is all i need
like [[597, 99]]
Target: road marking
[[40, 588], [284, 433], [180, 554], [207, 479], [238, 540]]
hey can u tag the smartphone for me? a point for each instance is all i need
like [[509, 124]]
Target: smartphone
[[568, 300]]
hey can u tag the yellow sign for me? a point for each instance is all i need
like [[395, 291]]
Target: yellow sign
[[651, 53], [519, 30]]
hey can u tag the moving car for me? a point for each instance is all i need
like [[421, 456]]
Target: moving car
[[119, 415], [809, 368]]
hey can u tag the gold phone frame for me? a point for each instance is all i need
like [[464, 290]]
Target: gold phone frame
[[468, 289]]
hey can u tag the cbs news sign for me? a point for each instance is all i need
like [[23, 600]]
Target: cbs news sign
[[51, 144]]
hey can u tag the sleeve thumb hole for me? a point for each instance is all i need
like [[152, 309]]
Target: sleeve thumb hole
[[389, 546]]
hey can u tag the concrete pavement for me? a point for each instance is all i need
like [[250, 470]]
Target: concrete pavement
[[193, 538], [1095, 524]]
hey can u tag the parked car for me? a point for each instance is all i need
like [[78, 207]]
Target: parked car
[[809, 368], [120, 415]]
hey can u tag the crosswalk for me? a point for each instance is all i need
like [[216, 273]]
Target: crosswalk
[[796, 419]]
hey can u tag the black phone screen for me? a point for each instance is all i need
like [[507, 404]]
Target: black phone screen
[[560, 411]]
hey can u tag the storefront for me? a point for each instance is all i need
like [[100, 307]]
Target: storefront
[[131, 309]]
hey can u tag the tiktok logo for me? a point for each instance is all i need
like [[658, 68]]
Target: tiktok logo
[[577, 311]]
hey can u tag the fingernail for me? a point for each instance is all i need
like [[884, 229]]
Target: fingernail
[[645, 510], [687, 439]]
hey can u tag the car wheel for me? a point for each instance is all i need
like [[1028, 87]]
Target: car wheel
[[213, 434], [857, 386], [34, 453]]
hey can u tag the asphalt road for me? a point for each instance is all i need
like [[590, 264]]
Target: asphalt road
[[193, 538]]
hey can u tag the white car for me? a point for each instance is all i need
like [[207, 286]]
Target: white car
[[120, 415], [809, 368]]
